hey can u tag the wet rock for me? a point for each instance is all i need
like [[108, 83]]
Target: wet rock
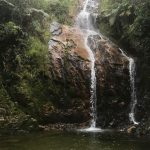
[[55, 28], [71, 69], [131, 129], [113, 93]]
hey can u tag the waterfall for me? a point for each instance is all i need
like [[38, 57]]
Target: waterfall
[[93, 98], [85, 24], [133, 90]]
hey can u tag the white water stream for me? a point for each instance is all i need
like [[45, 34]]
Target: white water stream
[[85, 24], [133, 89]]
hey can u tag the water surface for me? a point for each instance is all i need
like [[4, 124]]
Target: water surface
[[73, 141]]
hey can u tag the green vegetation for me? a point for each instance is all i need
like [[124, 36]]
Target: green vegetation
[[26, 87], [127, 24], [108, 5], [61, 11]]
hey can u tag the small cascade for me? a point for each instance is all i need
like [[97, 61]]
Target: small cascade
[[133, 90], [93, 98], [84, 23]]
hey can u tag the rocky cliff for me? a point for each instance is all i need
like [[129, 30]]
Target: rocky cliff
[[129, 26], [70, 68]]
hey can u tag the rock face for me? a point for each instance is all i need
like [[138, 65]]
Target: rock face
[[70, 69], [113, 87], [128, 28]]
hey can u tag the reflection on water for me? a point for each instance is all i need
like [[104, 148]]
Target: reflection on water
[[73, 141]]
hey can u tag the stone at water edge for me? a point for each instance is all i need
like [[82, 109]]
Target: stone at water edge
[[131, 129]]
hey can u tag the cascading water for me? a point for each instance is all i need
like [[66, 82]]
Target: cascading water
[[133, 90], [84, 23], [93, 98]]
